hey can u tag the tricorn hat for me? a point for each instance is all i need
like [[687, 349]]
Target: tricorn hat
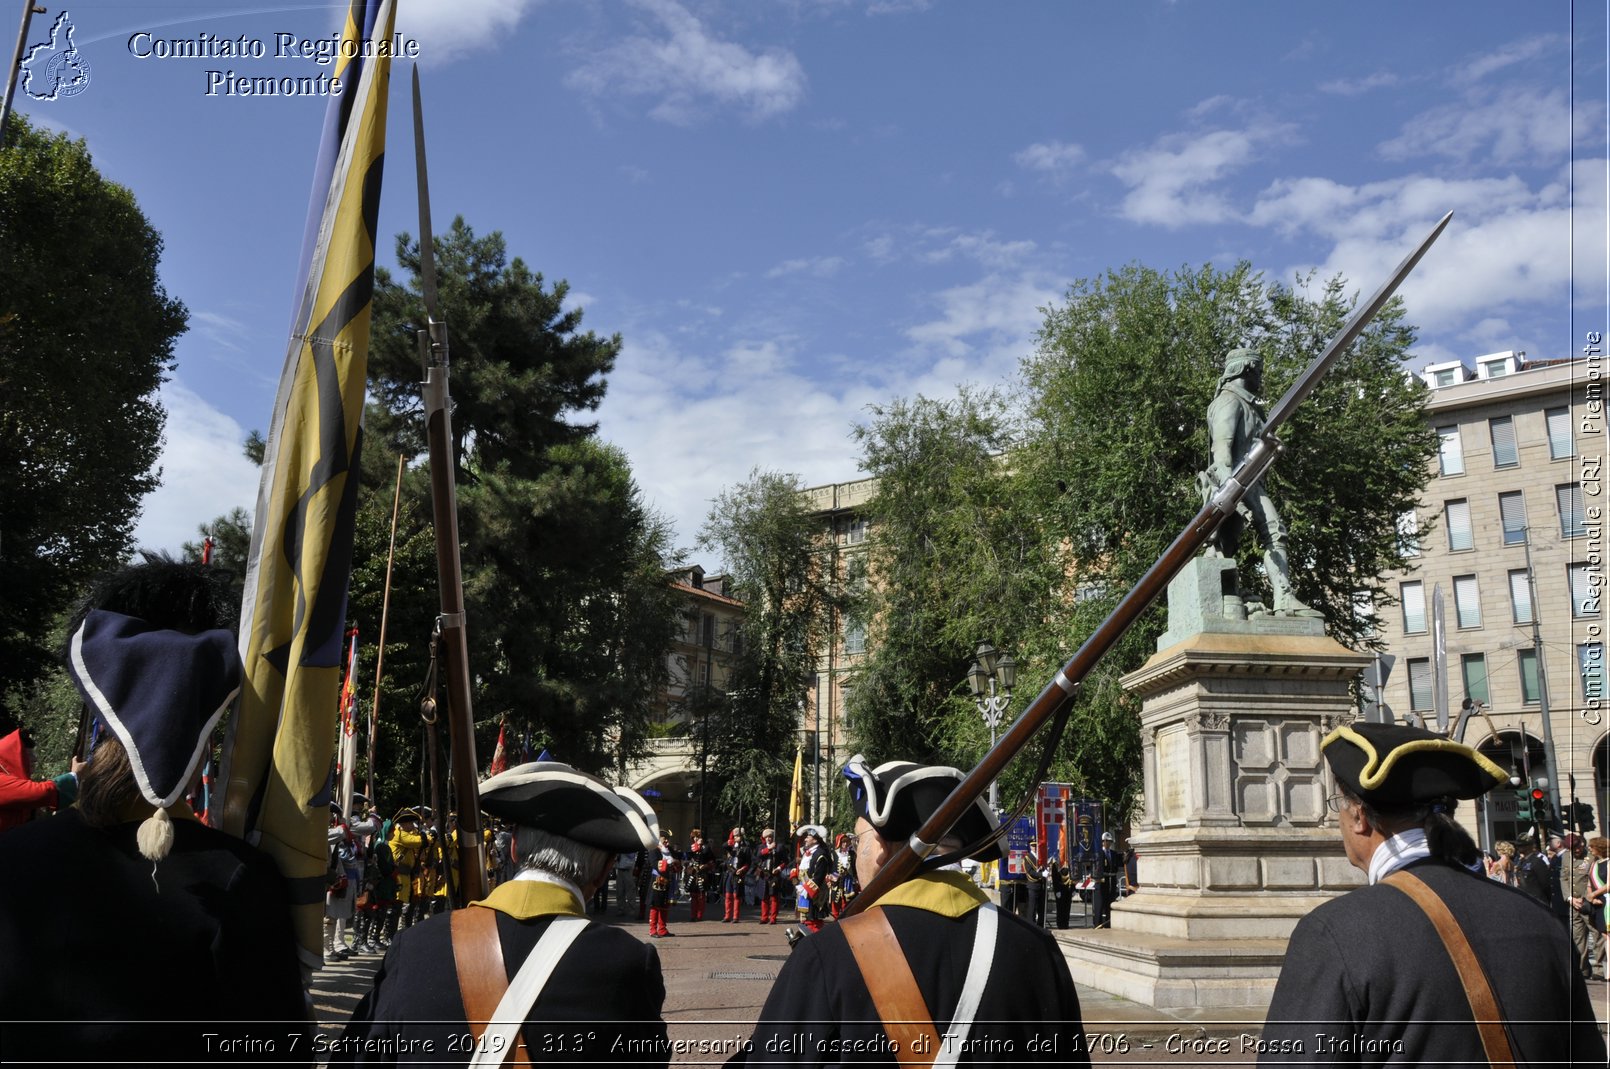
[[556, 798], [897, 798], [1399, 765]]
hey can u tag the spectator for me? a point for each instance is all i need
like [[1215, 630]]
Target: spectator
[[20, 794]]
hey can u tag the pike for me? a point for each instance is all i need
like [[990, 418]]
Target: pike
[[1060, 691], [450, 576]]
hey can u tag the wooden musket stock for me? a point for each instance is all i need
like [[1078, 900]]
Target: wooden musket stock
[[1062, 688]]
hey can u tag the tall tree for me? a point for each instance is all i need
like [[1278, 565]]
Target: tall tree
[[783, 570], [86, 339], [569, 613]]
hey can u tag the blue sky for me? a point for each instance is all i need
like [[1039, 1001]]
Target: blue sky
[[794, 210]]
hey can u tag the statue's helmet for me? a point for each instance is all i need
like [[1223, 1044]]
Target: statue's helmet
[[1237, 361]]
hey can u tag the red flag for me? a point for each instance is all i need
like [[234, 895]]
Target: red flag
[[500, 756]]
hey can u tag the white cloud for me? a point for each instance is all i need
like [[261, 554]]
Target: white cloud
[[995, 315], [1513, 125], [1171, 181], [1055, 158], [689, 71], [448, 31], [815, 267], [1516, 52], [220, 330], [204, 472], [1352, 87]]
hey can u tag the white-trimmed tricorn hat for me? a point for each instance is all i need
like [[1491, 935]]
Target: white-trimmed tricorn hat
[[898, 797], [554, 797]]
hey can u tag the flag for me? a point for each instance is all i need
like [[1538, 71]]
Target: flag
[[796, 798], [347, 747], [276, 773], [500, 756]]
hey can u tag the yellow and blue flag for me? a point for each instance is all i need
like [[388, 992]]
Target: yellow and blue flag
[[277, 761]]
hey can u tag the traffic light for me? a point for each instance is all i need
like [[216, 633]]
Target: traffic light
[[1538, 803], [1523, 804], [1581, 814]]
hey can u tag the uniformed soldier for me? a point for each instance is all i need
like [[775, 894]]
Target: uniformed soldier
[[698, 871], [811, 876], [934, 970], [526, 958], [1372, 976], [772, 860], [661, 863], [407, 845], [735, 868]]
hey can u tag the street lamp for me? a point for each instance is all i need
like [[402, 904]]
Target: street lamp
[[991, 667]]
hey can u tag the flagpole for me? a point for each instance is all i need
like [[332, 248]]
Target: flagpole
[[28, 13], [380, 653]]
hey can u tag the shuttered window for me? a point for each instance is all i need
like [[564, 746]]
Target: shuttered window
[[1473, 669], [1530, 688], [1520, 597], [1419, 684], [1457, 515], [1560, 443], [1413, 596], [1505, 455], [1568, 499], [1451, 456], [1583, 603], [1467, 600], [1512, 508]]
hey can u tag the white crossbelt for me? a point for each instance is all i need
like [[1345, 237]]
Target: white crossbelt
[[972, 989], [524, 989]]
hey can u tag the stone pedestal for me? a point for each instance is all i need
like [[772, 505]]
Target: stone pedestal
[[1235, 843]]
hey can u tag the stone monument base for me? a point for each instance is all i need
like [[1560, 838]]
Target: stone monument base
[[1175, 974]]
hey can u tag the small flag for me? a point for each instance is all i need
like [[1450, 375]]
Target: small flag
[[500, 756], [796, 798]]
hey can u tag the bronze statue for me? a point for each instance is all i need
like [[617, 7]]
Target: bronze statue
[[1235, 421]]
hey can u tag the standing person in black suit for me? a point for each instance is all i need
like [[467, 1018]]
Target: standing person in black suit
[[526, 958], [1109, 866]]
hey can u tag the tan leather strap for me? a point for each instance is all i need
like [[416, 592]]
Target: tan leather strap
[[893, 988], [482, 980], [1483, 1004]]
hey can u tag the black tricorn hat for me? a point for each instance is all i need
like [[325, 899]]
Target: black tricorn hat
[[1398, 765], [554, 797], [897, 797]]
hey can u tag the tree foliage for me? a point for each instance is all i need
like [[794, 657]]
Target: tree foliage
[[783, 569], [1027, 537], [569, 614], [86, 339]]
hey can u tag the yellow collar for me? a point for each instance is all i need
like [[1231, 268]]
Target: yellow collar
[[948, 893], [525, 899]]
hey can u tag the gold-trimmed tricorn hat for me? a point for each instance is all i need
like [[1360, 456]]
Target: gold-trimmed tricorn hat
[[554, 797], [1398, 765]]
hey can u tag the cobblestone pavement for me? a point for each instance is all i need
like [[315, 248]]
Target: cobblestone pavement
[[717, 977]]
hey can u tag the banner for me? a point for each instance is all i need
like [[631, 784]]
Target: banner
[[276, 774]]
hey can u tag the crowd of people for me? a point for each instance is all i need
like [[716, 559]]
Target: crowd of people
[[132, 932]]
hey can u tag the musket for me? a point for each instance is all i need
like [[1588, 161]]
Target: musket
[[1062, 688], [444, 505]]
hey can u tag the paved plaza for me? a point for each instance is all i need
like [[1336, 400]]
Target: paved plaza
[[717, 977]]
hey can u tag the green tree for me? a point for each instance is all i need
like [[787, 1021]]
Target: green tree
[[86, 339], [1117, 391], [569, 614], [783, 570]]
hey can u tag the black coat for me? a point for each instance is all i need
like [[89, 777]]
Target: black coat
[[1366, 980], [96, 938], [602, 1003], [820, 999]]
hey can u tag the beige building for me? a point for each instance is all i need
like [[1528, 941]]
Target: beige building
[[1515, 550]]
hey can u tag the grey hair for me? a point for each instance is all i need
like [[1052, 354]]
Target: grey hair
[[558, 856]]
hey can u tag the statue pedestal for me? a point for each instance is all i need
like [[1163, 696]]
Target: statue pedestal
[[1235, 844]]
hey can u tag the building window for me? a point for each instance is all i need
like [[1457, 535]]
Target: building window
[[1457, 517], [1467, 600], [1505, 455], [1420, 684], [737, 635], [1590, 663], [1413, 596], [854, 636], [1560, 443], [1531, 687], [707, 633], [856, 532], [1568, 499], [1473, 669], [1520, 596], [1583, 603], [1512, 509], [1409, 534], [1496, 369], [1444, 377], [1451, 455]]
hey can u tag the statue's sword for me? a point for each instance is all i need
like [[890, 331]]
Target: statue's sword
[[1061, 689]]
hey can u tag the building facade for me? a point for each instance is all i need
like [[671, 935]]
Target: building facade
[[1513, 555]]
